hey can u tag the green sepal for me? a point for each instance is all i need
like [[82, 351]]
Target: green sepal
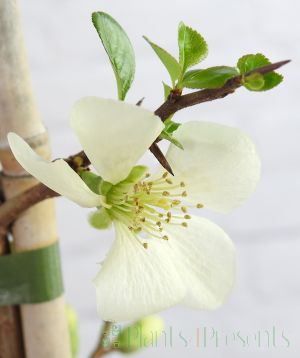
[[192, 47], [92, 180], [212, 77], [31, 276], [251, 62], [100, 219], [137, 173], [95, 182], [168, 60], [119, 50]]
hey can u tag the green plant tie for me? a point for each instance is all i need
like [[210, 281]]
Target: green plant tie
[[30, 276]]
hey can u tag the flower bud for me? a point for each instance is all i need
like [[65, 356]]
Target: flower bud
[[141, 334], [73, 329]]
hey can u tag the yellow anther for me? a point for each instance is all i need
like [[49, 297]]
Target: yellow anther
[[184, 209], [176, 202], [165, 237], [187, 217], [158, 223], [147, 175], [165, 174], [182, 184], [165, 193], [169, 181], [169, 214], [184, 194], [184, 224], [160, 215], [200, 206], [145, 244]]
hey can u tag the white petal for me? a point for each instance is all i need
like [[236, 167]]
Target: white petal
[[134, 281], [208, 262], [57, 175], [219, 163], [114, 134]]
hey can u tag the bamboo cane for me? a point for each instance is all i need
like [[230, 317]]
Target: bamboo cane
[[44, 325]]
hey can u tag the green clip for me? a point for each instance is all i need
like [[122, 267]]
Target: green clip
[[31, 276]]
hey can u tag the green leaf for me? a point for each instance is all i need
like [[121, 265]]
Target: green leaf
[[171, 127], [213, 77], [168, 60], [272, 80], [192, 47], [167, 90], [168, 137], [254, 82], [119, 50], [253, 61]]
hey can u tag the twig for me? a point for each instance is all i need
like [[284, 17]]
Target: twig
[[102, 348], [172, 105], [12, 208]]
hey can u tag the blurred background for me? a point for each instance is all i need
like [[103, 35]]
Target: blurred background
[[67, 61]]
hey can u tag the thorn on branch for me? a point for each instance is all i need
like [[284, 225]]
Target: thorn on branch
[[155, 150]]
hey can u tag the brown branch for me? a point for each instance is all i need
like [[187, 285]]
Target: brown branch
[[12, 208], [173, 105]]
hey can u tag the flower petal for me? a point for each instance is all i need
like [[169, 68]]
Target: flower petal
[[114, 134], [219, 163], [207, 264], [57, 175], [134, 282]]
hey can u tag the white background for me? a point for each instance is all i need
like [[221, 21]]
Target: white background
[[67, 62]]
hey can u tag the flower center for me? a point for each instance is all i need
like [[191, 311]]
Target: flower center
[[147, 206]]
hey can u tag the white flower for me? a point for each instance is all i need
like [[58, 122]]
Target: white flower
[[162, 255]]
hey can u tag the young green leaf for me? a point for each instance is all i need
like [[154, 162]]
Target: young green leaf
[[213, 77], [167, 90], [171, 127], [192, 47], [119, 50], [168, 137], [254, 82], [168, 60], [251, 62]]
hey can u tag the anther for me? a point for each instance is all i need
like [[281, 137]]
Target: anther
[[165, 237], [187, 217], [182, 184], [169, 214], [169, 181], [184, 194], [158, 223], [165, 193], [184, 224], [176, 202], [165, 175], [200, 206], [184, 209], [145, 244]]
